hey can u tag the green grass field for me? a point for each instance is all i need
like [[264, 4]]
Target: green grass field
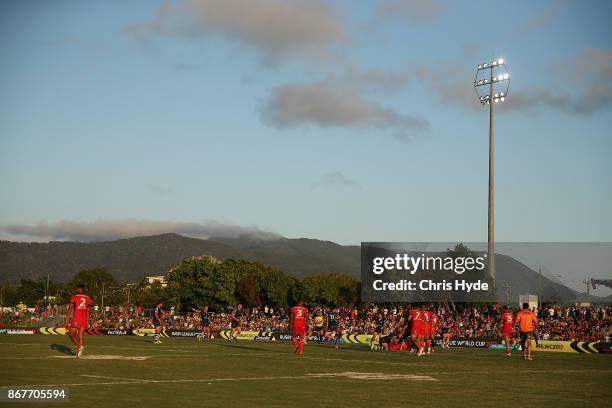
[[131, 371]]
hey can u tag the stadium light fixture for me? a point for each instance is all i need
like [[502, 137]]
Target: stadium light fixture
[[495, 77]]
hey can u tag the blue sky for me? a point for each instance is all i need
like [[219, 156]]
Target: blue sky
[[303, 118]]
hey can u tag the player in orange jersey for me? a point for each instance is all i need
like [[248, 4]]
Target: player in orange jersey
[[526, 321]]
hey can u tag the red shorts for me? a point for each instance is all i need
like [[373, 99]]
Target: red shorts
[[299, 330], [507, 332], [78, 322], [418, 328]]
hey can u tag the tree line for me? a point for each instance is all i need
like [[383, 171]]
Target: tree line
[[196, 281]]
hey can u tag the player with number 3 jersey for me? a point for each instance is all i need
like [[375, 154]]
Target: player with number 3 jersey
[[298, 316]]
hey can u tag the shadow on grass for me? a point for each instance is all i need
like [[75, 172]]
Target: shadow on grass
[[62, 349], [238, 346], [140, 339]]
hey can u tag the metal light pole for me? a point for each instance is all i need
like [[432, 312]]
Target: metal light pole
[[497, 76], [102, 306]]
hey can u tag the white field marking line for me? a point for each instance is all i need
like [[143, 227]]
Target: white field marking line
[[24, 358], [141, 381], [152, 347], [162, 355], [376, 376], [290, 356], [458, 351], [231, 355], [349, 375], [23, 344], [368, 361], [112, 378], [593, 370], [516, 371], [107, 357], [313, 376], [144, 348]]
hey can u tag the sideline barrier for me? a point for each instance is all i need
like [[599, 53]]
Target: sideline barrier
[[490, 343], [566, 346], [357, 338], [251, 335], [18, 330], [554, 346], [285, 336], [58, 331], [475, 342], [143, 332]]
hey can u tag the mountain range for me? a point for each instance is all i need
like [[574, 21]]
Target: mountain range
[[133, 258]]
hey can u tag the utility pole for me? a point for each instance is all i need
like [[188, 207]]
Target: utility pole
[[492, 97], [540, 288], [508, 293], [102, 305], [491, 215], [47, 291]]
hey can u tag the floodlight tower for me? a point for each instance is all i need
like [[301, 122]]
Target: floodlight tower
[[494, 78]]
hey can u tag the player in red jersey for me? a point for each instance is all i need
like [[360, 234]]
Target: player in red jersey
[[426, 339], [297, 321], [79, 321], [417, 332], [433, 330], [507, 322]]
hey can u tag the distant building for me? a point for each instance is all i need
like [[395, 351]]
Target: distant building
[[531, 299], [161, 279]]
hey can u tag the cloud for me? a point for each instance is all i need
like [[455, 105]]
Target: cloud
[[376, 80], [105, 229], [329, 104], [415, 11], [580, 85], [453, 89], [277, 29], [550, 13], [334, 179], [584, 85], [157, 190], [588, 63]]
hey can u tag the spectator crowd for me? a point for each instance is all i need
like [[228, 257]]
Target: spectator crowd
[[555, 322]]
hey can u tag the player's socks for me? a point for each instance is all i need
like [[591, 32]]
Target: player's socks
[[295, 345], [301, 345]]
